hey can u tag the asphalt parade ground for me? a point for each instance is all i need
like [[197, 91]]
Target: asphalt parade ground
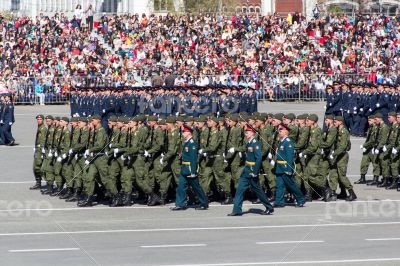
[[42, 230]]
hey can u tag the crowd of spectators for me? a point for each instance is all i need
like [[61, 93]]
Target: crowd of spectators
[[41, 57]]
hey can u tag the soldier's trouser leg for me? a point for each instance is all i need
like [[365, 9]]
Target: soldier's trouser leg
[[57, 173], [324, 170], [68, 173], [376, 166], [181, 195], [342, 170], [150, 176], [206, 175], [384, 159], [141, 171], [313, 172], [102, 167], [37, 165], [243, 185], [89, 179], [127, 176], [79, 170], [304, 177], [256, 188], [49, 171], [270, 176], [176, 169], [365, 161], [298, 176], [394, 165], [114, 172], [236, 169], [165, 178], [222, 179]]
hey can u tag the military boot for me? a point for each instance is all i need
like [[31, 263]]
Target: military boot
[[75, 196], [37, 185], [333, 196], [352, 196], [48, 190], [228, 199], [126, 199], [374, 181], [134, 194], [87, 201], [394, 183], [70, 193], [384, 182], [361, 180], [116, 199], [57, 191], [308, 196], [342, 194], [163, 198], [154, 199], [327, 194]]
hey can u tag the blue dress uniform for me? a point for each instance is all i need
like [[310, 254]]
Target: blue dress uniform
[[249, 177], [188, 175], [284, 170], [7, 118]]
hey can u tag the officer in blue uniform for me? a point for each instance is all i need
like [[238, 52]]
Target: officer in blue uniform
[[346, 99], [188, 174], [285, 168], [249, 176], [7, 120]]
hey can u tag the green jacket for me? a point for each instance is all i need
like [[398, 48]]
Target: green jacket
[[301, 143], [40, 139], [100, 140], [328, 140], [382, 136], [370, 141], [342, 142], [314, 142], [172, 147]]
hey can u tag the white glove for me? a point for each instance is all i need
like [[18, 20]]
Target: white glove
[[76, 156], [252, 175], [56, 154], [364, 149], [1, 122], [116, 151], [146, 154], [104, 111], [331, 156], [300, 155], [110, 145], [43, 150], [86, 153], [91, 154], [64, 156], [225, 161], [204, 154], [129, 158], [231, 150], [330, 104], [373, 151], [50, 154], [270, 156], [355, 108], [394, 150], [322, 151], [123, 157], [193, 175], [34, 150], [161, 161], [87, 162], [59, 159], [361, 109], [378, 105], [376, 151], [70, 151], [361, 146], [223, 155], [348, 111], [177, 113], [355, 112], [200, 151], [240, 154], [305, 156], [272, 162], [370, 109], [10, 123], [107, 153], [384, 149]]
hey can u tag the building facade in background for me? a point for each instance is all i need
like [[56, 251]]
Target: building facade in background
[[264, 7]]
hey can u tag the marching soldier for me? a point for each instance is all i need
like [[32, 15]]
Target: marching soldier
[[40, 142], [368, 152]]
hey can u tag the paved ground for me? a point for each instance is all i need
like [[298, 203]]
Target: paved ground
[[38, 230]]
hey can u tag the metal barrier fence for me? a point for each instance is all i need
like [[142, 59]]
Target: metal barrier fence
[[55, 90]]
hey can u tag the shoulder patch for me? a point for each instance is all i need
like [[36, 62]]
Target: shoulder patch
[[191, 141]]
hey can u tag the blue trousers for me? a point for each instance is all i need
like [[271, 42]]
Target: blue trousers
[[281, 181], [246, 181], [181, 195], [8, 137]]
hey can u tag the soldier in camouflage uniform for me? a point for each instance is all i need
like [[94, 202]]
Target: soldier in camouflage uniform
[[300, 145], [40, 142], [47, 165], [391, 148], [383, 156], [234, 147]]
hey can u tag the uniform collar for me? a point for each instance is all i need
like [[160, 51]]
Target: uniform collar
[[284, 139], [188, 139], [250, 140]]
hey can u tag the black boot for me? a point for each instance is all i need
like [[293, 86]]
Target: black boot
[[116, 200], [394, 183], [327, 194], [352, 196], [228, 199], [37, 185], [134, 194], [57, 191], [126, 199], [374, 181], [163, 198], [384, 182], [70, 193], [87, 201], [75, 196], [343, 194], [49, 189], [308, 196], [389, 182], [361, 180], [154, 199], [333, 196]]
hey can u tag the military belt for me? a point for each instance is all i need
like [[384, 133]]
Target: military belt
[[250, 163], [214, 156], [281, 162], [186, 163]]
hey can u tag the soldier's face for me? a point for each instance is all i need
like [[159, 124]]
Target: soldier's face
[[249, 134], [391, 119], [283, 132], [328, 122], [186, 134], [309, 123], [81, 124], [371, 121], [398, 119], [39, 121], [338, 123]]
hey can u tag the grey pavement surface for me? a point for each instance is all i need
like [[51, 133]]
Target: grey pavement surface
[[39, 230]]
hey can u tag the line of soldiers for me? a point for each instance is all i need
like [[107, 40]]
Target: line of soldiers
[[184, 101], [356, 102], [141, 156], [381, 149]]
